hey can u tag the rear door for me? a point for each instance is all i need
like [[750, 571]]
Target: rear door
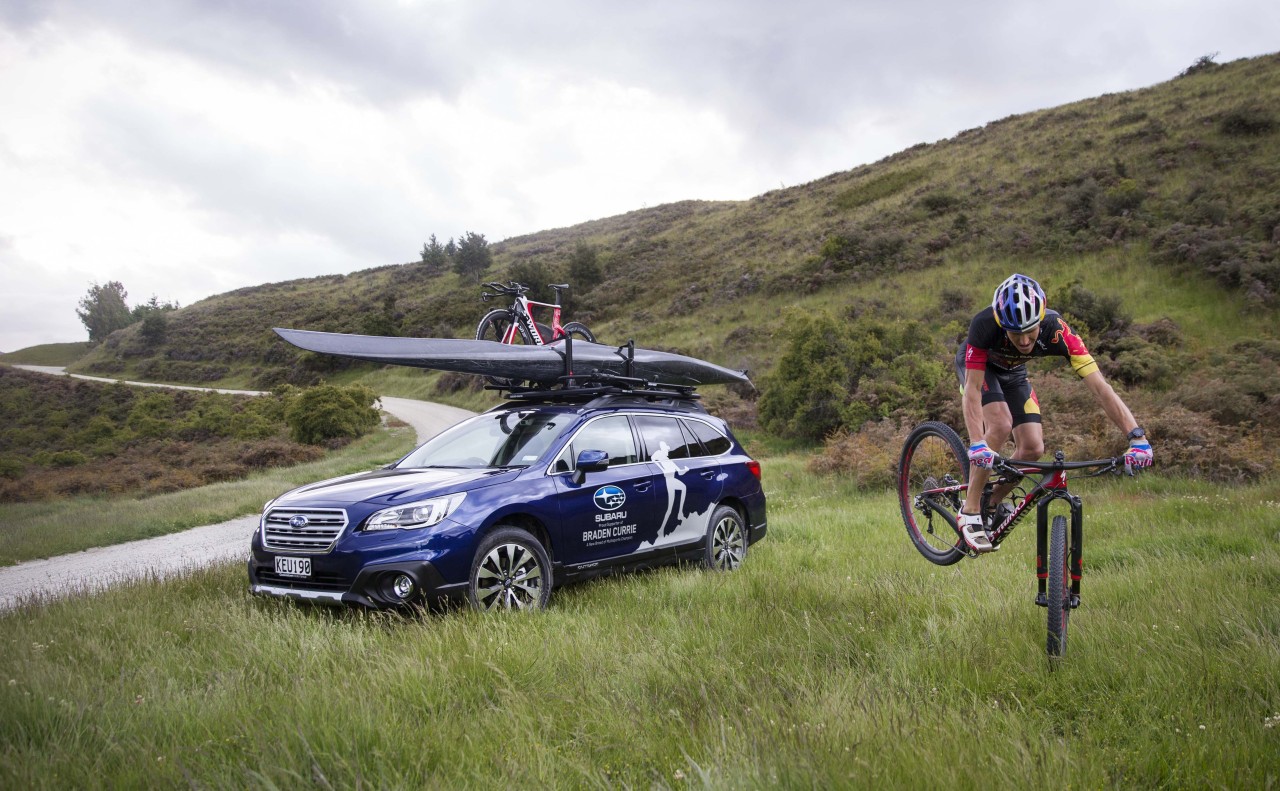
[[687, 480]]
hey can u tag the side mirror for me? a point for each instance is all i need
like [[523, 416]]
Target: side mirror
[[590, 461]]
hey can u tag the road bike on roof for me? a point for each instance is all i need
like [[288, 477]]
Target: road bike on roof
[[933, 479], [517, 325]]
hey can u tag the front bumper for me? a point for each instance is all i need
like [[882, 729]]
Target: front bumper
[[372, 586]]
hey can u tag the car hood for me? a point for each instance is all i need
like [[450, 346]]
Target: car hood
[[390, 487]]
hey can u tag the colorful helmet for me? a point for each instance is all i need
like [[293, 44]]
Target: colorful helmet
[[1018, 304]]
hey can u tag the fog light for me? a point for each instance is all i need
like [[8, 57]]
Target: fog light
[[402, 586]]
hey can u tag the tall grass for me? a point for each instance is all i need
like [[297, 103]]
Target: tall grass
[[45, 529], [835, 657]]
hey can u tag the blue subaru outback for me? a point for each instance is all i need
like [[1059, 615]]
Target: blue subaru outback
[[504, 506]]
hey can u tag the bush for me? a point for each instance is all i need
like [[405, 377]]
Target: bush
[[838, 374], [868, 457], [1247, 122], [329, 412], [1092, 315]]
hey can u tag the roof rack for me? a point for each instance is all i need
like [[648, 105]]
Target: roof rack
[[589, 385]]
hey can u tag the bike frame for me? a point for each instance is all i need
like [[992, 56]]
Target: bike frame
[[525, 316], [1051, 486], [522, 309]]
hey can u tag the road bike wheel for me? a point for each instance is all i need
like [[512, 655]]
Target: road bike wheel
[[933, 456], [1059, 588], [579, 332], [494, 327]]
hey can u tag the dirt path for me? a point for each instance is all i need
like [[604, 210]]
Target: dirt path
[[164, 556]]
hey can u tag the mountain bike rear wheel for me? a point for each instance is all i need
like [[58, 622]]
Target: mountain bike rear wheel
[[1058, 589], [933, 457]]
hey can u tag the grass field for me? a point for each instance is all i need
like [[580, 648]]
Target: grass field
[[835, 657]]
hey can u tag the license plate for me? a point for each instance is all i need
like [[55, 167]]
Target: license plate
[[293, 567]]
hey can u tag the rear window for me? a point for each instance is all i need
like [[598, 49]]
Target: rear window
[[715, 442], [663, 434]]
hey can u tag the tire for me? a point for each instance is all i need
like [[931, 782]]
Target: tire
[[579, 332], [1058, 589], [493, 327], [726, 543], [933, 456], [510, 571]]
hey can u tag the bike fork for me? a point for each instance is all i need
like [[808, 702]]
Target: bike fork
[[1042, 546]]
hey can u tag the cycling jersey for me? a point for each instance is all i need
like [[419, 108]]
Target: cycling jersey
[[989, 349]]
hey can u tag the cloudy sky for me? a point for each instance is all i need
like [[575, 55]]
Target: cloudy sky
[[190, 147]]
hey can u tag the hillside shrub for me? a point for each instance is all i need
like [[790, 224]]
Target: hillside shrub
[[1248, 121], [1123, 198], [62, 437], [1094, 317], [321, 414], [836, 374]]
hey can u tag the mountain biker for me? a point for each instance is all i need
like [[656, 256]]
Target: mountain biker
[[998, 397]]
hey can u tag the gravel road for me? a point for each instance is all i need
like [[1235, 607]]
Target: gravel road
[[163, 556]]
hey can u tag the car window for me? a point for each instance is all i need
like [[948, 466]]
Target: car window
[[610, 434], [715, 442], [661, 433], [495, 439]]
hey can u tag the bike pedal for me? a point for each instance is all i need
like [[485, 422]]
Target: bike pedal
[[1075, 601], [1042, 600]]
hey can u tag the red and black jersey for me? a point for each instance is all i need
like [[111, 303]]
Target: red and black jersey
[[989, 347]]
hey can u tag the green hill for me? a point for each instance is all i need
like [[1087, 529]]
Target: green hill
[[1152, 214]]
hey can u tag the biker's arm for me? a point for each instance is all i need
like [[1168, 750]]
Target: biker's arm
[[972, 402], [1111, 403]]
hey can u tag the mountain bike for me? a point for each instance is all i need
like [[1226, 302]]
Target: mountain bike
[[933, 478], [516, 325]]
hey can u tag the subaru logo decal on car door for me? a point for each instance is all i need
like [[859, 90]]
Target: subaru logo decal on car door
[[609, 498]]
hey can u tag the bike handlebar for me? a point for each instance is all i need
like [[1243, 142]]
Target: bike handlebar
[[1113, 464]]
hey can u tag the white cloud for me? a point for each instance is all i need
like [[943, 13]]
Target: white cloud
[[187, 148]]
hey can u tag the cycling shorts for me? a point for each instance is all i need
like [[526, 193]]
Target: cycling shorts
[[1008, 385]]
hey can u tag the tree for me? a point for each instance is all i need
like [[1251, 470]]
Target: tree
[[103, 310], [434, 258], [473, 256], [584, 267]]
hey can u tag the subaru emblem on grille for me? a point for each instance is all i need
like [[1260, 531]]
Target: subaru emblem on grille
[[298, 522]]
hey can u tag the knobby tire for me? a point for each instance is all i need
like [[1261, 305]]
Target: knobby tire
[[931, 451], [1058, 589]]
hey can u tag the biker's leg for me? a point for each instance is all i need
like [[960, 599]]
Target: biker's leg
[[1028, 436], [998, 422]]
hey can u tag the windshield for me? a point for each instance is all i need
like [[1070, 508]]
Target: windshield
[[501, 439]]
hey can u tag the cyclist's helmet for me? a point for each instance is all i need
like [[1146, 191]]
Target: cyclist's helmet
[[1018, 304]]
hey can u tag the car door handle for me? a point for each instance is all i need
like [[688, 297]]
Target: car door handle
[[708, 474], [643, 486]]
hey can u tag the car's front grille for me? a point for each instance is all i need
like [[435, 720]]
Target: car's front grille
[[302, 529], [319, 581]]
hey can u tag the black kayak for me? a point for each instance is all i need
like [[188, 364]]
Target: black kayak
[[542, 365]]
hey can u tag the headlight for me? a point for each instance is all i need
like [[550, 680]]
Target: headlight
[[415, 515]]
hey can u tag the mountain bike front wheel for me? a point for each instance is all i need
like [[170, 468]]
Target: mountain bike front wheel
[[579, 332], [1058, 589], [933, 458]]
